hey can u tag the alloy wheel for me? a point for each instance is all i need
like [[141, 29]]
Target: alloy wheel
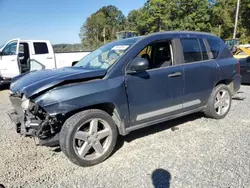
[[222, 102], [92, 139]]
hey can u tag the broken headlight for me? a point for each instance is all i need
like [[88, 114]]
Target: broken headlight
[[25, 103]]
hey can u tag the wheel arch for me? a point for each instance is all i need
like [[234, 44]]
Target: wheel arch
[[228, 82], [107, 107]]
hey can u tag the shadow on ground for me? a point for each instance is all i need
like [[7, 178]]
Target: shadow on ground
[[4, 87], [161, 178], [237, 98], [172, 124], [245, 84]]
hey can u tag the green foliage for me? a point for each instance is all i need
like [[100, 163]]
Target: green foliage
[[108, 19], [67, 48], [244, 26], [137, 21], [222, 14], [164, 15], [158, 15], [192, 15]]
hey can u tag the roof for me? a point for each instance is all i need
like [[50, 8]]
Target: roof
[[172, 33], [23, 40], [184, 33], [137, 38]]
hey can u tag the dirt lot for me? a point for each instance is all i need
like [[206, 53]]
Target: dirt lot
[[197, 152]]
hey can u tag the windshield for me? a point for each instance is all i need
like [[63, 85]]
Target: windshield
[[105, 56], [2, 44]]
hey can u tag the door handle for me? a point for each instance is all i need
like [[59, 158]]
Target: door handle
[[49, 57], [176, 74], [13, 60]]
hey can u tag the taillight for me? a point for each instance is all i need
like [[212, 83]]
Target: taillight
[[238, 66]]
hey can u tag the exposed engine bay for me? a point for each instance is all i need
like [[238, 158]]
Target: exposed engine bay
[[33, 121]]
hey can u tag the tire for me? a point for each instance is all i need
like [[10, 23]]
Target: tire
[[210, 110], [76, 126]]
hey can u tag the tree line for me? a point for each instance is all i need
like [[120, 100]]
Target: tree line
[[59, 48], [215, 16]]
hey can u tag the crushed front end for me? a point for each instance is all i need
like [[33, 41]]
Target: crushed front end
[[32, 121], [42, 98]]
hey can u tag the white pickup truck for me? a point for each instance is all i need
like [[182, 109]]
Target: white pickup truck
[[19, 56]]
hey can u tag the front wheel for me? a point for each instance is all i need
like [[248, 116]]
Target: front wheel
[[219, 102], [88, 138]]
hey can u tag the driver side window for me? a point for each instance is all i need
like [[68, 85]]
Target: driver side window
[[158, 54], [10, 49]]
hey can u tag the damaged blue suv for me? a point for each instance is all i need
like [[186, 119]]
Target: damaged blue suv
[[123, 86]]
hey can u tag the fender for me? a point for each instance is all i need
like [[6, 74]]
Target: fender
[[74, 96]]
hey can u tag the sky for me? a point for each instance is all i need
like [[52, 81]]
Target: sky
[[56, 20]]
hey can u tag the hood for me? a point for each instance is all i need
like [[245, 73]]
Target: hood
[[37, 81]]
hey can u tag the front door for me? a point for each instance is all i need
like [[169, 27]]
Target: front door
[[158, 91], [9, 62]]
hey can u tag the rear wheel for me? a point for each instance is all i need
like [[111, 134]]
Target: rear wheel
[[219, 103], [88, 138]]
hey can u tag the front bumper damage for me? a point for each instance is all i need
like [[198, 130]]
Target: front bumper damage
[[30, 125], [15, 118]]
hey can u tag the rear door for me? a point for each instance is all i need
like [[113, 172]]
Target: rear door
[[200, 72], [9, 61], [42, 52]]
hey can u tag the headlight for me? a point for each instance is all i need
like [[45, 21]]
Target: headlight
[[25, 103]]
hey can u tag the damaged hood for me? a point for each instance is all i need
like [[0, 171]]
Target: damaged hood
[[34, 82]]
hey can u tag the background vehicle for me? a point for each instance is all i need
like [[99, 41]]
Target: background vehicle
[[153, 79], [20, 56], [242, 51], [125, 34], [232, 42], [242, 54]]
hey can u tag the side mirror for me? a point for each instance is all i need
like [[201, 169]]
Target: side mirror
[[139, 64]]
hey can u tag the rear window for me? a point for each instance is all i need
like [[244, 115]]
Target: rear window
[[41, 48], [191, 50], [214, 47]]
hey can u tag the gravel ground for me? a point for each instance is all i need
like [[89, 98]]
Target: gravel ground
[[197, 152]]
